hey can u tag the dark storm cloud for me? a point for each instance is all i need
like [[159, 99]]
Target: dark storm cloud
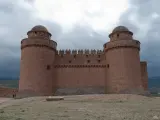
[[14, 23], [146, 11], [82, 37]]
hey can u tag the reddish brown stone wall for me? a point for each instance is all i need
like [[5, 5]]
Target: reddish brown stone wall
[[7, 92], [37, 58], [144, 75], [117, 68], [123, 66], [85, 57], [80, 76]]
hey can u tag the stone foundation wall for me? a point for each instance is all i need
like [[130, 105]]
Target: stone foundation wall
[[80, 91], [7, 92]]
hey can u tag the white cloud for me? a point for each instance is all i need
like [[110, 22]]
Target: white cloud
[[100, 14]]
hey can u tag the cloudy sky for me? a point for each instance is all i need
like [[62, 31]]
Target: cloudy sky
[[74, 23]]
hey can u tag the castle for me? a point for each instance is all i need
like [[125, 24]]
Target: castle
[[117, 69]]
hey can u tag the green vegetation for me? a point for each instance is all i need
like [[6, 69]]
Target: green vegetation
[[155, 95]]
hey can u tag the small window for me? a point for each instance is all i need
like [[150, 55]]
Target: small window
[[87, 56], [88, 61], [70, 61], [74, 56], [61, 56], [117, 35], [48, 67], [35, 32], [99, 61], [99, 56], [107, 65]]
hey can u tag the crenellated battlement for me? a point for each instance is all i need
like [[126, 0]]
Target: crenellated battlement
[[80, 52], [80, 57]]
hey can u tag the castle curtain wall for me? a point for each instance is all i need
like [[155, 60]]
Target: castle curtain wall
[[80, 76], [78, 68]]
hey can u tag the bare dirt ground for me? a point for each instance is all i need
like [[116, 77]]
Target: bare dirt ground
[[82, 107]]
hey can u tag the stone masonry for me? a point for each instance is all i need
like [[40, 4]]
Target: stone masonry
[[117, 68]]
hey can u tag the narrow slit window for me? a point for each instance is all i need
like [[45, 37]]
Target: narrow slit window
[[48, 67], [107, 65]]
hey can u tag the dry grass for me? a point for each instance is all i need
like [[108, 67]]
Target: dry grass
[[83, 107]]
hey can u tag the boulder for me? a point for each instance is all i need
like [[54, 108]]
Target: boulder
[[54, 98]]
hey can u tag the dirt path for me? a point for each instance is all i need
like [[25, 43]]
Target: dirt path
[[83, 107]]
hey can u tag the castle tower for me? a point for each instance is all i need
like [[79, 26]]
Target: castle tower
[[123, 62], [37, 58]]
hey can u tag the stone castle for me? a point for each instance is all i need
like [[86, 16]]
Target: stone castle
[[117, 68]]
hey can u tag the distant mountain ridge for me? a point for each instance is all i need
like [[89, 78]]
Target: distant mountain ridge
[[153, 82]]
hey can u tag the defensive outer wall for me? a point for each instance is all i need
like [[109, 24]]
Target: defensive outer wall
[[115, 69]]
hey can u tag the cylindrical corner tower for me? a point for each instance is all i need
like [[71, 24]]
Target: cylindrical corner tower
[[37, 58], [123, 62]]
